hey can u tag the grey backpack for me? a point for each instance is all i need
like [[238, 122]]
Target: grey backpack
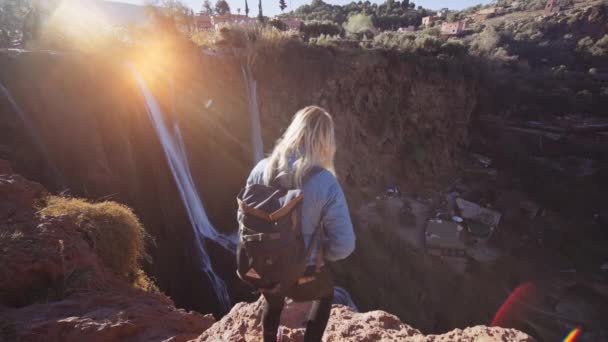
[[271, 254]]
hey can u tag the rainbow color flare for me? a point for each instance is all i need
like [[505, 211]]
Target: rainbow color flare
[[511, 308], [573, 335]]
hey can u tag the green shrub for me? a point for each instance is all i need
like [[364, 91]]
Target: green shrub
[[315, 28], [114, 230], [486, 41], [326, 40], [359, 24], [278, 24]]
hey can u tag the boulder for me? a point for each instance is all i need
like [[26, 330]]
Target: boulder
[[54, 287], [243, 323]]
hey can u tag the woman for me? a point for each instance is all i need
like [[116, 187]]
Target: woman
[[309, 144]]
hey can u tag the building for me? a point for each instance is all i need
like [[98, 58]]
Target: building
[[454, 29], [204, 23], [427, 21]]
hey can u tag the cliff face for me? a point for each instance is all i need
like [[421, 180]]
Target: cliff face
[[399, 120], [54, 287], [82, 127]]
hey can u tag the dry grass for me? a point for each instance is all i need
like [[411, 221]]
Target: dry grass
[[115, 232], [254, 36]]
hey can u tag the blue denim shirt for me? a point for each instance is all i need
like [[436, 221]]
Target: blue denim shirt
[[324, 203]]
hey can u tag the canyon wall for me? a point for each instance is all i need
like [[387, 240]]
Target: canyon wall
[[400, 121]]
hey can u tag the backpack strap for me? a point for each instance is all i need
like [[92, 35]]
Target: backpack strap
[[311, 173], [319, 229]]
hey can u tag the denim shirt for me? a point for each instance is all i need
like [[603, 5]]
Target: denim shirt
[[324, 203]]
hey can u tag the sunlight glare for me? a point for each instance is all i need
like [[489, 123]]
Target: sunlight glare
[[79, 21]]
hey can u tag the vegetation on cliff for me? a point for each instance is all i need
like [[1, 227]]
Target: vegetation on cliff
[[112, 229]]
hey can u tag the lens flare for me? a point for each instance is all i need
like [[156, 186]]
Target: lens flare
[[573, 335], [78, 18], [511, 308]]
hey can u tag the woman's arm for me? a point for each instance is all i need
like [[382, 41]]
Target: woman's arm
[[338, 226]]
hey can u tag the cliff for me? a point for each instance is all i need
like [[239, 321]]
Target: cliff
[[78, 124], [243, 323]]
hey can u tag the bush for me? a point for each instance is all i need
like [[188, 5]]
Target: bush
[[278, 24], [112, 229], [324, 40], [359, 24], [486, 41], [316, 28], [408, 42]]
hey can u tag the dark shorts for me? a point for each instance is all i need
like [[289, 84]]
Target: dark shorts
[[312, 285]]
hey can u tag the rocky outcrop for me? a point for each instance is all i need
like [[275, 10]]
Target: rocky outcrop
[[243, 323], [53, 287]]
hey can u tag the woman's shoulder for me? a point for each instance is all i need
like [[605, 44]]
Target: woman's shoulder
[[323, 178], [257, 173]]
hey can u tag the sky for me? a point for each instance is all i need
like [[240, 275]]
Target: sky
[[271, 7]]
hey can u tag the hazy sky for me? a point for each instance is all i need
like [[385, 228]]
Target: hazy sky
[[271, 7]]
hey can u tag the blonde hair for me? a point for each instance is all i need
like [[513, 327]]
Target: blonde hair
[[309, 141]]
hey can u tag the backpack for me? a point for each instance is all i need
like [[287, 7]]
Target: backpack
[[271, 254]]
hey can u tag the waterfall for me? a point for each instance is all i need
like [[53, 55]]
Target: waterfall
[[341, 296], [254, 111], [29, 127], [175, 152]]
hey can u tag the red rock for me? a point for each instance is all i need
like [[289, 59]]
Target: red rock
[[53, 287], [243, 323], [5, 167], [18, 195], [118, 315]]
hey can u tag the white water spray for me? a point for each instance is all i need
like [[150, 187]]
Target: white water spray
[[175, 153], [256, 127]]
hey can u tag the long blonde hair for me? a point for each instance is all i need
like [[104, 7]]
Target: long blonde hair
[[309, 141]]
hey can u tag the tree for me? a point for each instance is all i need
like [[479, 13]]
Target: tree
[[359, 23], [222, 7], [174, 15], [260, 13], [207, 8], [246, 8], [13, 15], [282, 5], [238, 10]]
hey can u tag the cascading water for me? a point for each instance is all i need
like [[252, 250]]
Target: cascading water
[[31, 131], [254, 111], [175, 153]]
